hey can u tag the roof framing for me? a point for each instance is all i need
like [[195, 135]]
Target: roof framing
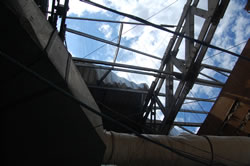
[[190, 67]]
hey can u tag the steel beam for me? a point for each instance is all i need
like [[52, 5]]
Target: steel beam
[[190, 111], [143, 91], [186, 84], [114, 21], [63, 20], [209, 77], [180, 64], [110, 43], [80, 62], [215, 68], [183, 128], [161, 106], [193, 111], [189, 45], [190, 124], [85, 65], [167, 55]]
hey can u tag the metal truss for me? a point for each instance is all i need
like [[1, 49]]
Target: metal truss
[[189, 68]]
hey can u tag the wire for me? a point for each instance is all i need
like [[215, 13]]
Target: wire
[[88, 108], [164, 29], [198, 102], [197, 115], [129, 29], [211, 148], [161, 10], [227, 48]]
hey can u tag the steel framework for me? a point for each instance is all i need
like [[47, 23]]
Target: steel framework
[[190, 68]]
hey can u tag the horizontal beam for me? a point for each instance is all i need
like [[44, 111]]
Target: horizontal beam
[[144, 92], [209, 83], [209, 77], [193, 111], [178, 76], [119, 69], [110, 43], [79, 60], [216, 68], [114, 21], [190, 124], [183, 128], [190, 111], [200, 99], [181, 61], [187, 124]]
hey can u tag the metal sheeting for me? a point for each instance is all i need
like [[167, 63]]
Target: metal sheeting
[[92, 77]]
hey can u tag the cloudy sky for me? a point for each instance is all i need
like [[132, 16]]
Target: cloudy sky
[[233, 31]]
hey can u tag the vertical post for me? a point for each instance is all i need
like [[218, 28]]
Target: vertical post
[[63, 25], [154, 125], [51, 18], [169, 87], [189, 45]]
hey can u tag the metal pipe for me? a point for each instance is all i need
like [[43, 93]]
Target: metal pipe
[[125, 149]]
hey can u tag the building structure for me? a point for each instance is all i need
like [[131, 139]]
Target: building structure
[[58, 112]]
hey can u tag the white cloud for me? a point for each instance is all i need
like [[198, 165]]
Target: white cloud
[[77, 7], [106, 30], [233, 29]]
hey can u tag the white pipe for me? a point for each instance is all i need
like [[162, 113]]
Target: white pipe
[[130, 150]]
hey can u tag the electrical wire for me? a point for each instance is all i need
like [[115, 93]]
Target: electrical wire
[[88, 108], [198, 102], [130, 29], [227, 48], [202, 109], [164, 29]]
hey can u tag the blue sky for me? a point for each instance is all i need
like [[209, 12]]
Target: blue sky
[[233, 29]]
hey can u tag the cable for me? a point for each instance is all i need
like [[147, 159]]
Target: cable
[[129, 29], [211, 148], [161, 10], [196, 114], [88, 108], [164, 29], [227, 48], [197, 101]]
